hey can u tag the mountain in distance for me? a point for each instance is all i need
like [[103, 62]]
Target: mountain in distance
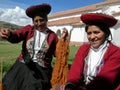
[[8, 25]]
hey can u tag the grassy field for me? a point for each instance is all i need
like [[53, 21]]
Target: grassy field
[[9, 52]]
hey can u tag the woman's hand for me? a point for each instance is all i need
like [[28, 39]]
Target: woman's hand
[[4, 33], [64, 34]]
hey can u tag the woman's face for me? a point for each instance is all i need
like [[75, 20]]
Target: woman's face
[[39, 23], [95, 36]]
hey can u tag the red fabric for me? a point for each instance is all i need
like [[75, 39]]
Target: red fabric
[[26, 33], [110, 70], [96, 18], [118, 88], [37, 9]]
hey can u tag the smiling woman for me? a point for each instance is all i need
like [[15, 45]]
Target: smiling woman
[[97, 64], [32, 69], [95, 36]]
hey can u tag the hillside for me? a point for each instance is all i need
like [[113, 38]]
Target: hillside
[[9, 25]]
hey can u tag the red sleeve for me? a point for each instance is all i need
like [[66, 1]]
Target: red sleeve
[[20, 34], [77, 66]]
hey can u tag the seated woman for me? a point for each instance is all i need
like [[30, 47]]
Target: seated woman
[[32, 69], [97, 64]]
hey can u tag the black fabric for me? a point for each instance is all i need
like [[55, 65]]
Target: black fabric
[[27, 77], [70, 86], [96, 84]]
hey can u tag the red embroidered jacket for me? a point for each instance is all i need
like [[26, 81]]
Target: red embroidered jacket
[[26, 33]]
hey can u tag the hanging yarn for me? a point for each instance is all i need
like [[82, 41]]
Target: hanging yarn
[[60, 70]]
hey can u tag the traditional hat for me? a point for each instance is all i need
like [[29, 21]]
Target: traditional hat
[[98, 18], [42, 9]]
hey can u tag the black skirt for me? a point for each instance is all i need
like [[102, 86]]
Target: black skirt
[[27, 77]]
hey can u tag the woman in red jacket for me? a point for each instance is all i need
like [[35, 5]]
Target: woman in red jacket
[[97, 64], [32, 70]]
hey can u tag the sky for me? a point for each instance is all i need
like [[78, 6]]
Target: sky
[[13, 11]]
